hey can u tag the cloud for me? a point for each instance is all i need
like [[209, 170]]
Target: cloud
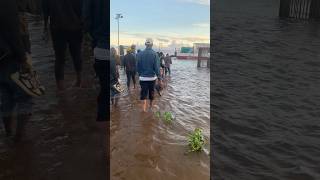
[[202, 25], [201, 2], [163, 40], [168, 40]]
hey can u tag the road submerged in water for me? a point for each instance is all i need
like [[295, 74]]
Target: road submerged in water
[[266, 96], [63, 140], [144, 147]]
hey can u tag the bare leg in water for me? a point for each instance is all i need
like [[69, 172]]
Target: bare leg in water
[[151, 104], [21, 124], [20, 128], [60, 85], [78, 81], [7, 122], [144, 105], [114, 101]]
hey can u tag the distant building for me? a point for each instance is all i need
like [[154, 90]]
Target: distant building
[[196, 47]]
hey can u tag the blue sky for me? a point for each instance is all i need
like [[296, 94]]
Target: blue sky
[[169, 22]]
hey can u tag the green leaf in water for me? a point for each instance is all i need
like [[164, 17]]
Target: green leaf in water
[[158, 114], [167, 117], [196, 140]]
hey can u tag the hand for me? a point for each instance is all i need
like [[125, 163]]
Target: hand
[[26, 67], [45, 35]]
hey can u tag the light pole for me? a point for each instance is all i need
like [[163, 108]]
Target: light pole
[[118, 16]]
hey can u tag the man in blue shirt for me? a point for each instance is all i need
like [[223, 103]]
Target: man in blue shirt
[[148, 68]]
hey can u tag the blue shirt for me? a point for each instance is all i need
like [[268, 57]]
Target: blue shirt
[[148, 63]]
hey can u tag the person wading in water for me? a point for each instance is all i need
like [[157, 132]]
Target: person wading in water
[[167, 64], [13, 59], [66, 30], [130, 67], [148, 69]]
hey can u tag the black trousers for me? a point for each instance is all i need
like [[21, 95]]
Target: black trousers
[[102, 70], [62, 39], [131, 75]]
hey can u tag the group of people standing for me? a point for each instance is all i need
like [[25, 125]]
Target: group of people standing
[[67, 21], [150, 66]]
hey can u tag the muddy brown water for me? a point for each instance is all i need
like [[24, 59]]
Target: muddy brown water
[[144, 147], [63, 140], [266, 94]]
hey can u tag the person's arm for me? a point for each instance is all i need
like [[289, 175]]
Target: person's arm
[[10, 26], [135, 60], [138, 65], [86, 14], [125, 62], [156, 66], [45, 12]]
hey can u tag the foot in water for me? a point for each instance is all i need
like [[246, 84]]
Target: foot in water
[[60, 86], [77, 83]]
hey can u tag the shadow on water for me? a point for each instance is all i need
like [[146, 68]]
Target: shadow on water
[[144, 147]]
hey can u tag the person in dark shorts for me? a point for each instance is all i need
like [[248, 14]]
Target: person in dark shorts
[[148, 69], [66, 31], [12, 59], [130, 67], [96, 22]]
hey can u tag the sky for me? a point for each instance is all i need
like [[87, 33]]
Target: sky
[[170, 23]]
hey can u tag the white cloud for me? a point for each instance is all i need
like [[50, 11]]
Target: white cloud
[[201, 2], [202, 25], [165, 40]]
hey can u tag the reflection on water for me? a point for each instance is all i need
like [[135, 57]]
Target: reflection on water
[[144, 147], [266, 94]]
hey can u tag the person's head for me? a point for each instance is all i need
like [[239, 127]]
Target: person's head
[[133, 47], [113, 51], [167, 54], [149, 42], [128, 50]]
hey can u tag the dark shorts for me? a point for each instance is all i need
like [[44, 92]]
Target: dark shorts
[[147, 88]]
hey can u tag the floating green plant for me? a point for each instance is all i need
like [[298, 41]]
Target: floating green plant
[[167, 117], [196, 140], [158, 114]]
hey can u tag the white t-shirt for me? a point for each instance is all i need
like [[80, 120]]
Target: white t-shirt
[[147, 78]]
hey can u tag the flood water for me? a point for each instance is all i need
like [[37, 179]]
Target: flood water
[[144, 147], [62, 138], [266, 98]]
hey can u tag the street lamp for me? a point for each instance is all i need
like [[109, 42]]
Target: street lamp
[[118, 16]]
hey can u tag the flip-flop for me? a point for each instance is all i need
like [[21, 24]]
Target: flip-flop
[[29, 83]]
